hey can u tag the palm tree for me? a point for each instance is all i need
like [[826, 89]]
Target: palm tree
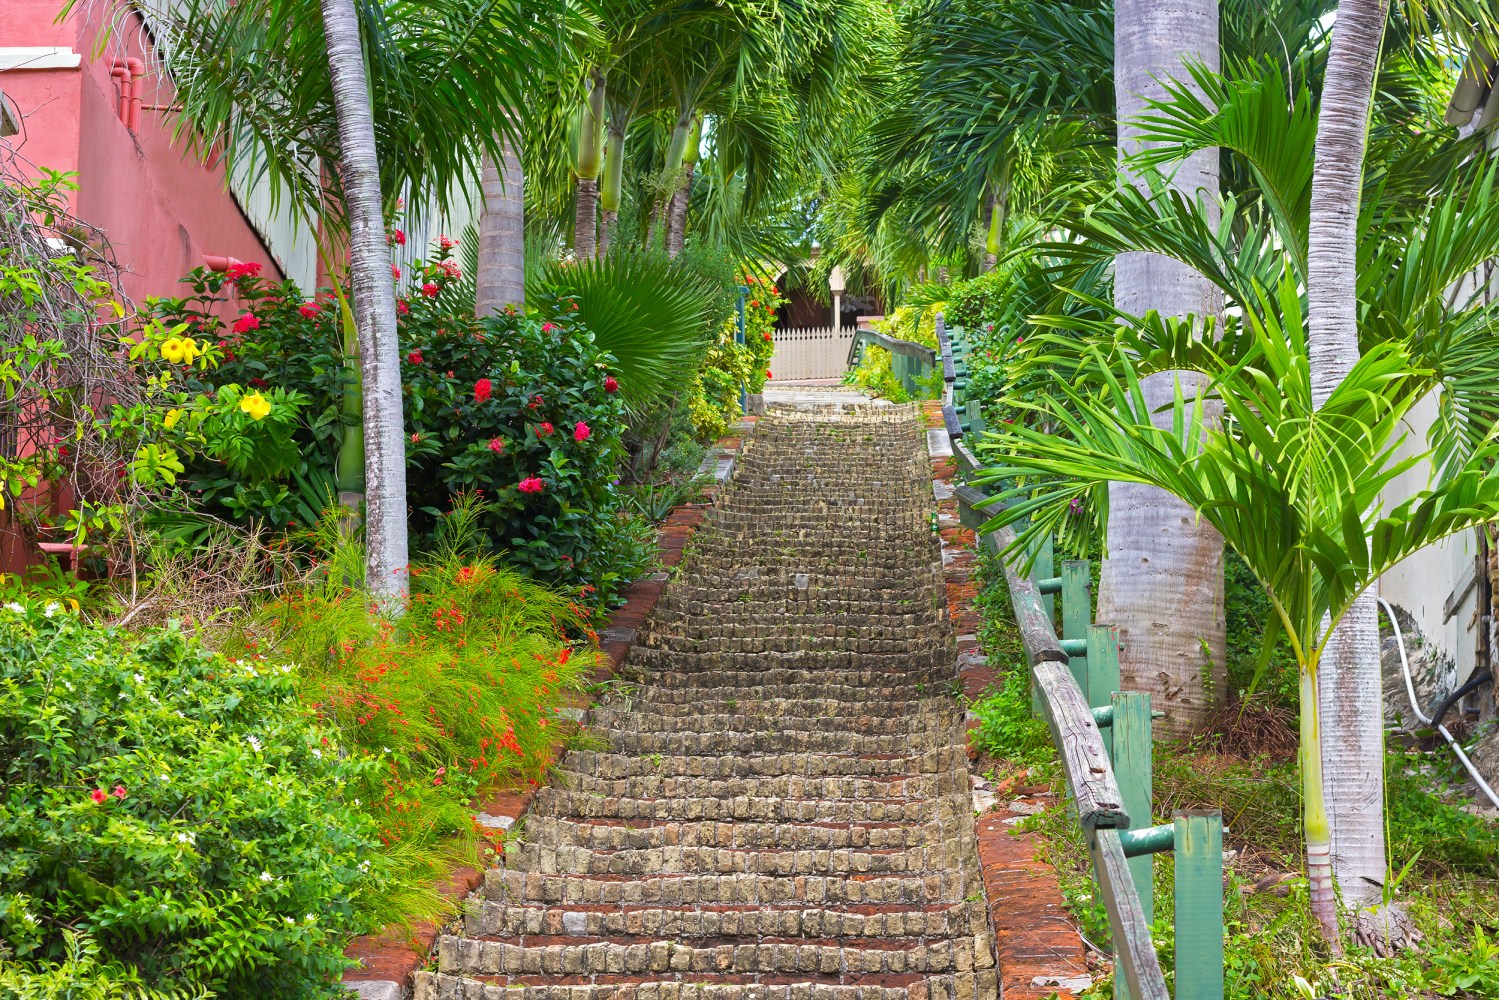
[[1347, 693], [500, 274], [385, 535], [1291, 479], [1162, 576]]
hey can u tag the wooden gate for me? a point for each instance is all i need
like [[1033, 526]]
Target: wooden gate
[[810, 352]]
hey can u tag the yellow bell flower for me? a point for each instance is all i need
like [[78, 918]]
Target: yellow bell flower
[[190, 350], [172, 417], [173, 349], [256, 405]]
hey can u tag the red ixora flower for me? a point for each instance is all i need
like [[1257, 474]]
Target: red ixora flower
[[496, 445], [536, 401], [767, 373], [581, 432], [119, 792], [446, 242], [310, 309], [766, 335], [415, 357], [246, 323], [545, 429], [430, 290], [397, 237], [99, 795], [395, 272], [401, 307], [547, 328], [610, 384], [246, 270], [530, 484], [483, 389]]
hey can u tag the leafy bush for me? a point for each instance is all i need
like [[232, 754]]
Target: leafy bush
[[524, 408], [173, 818], [874, 375], [731, 367]]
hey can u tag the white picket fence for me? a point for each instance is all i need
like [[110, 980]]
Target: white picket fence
[[810, 352]]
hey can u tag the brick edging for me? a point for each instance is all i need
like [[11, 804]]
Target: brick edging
[[1038, 949], [388, 960]]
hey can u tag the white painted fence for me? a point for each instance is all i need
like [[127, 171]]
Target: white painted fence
[[810, 352]]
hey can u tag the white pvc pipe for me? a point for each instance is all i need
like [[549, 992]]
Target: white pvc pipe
[[1410, 692]]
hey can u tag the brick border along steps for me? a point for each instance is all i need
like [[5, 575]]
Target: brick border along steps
[[782, 809]]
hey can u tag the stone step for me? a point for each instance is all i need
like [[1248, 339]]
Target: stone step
[[797, 786], [980, 984], [554, 859], [640, 719], [606, 834], [752, 712], [811, 765], [785, 741], [925, 662], [907, 682], [709, 695], [596, 958], [555, 801], [493, 918], [786, 643], [933, 889]]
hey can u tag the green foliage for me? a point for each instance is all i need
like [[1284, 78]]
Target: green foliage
[[1248, 613], [462, 694], [172, 818], [1007, 728], [873, 374]]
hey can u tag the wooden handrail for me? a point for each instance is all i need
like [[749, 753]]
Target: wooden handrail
[[905, 348]]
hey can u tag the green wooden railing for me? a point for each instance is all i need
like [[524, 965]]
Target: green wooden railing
[[908, 361], [1103, 737]]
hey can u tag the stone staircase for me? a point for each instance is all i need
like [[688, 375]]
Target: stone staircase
[[783, 808]]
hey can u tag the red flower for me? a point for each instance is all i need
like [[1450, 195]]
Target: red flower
[[451, 270], [547, 328], [530, 485], [397, 237], [415, 438], [546, 429], [535, 402], [309, 309], [765, 335], [246, 323], [259, 383], [610, 384], [415, 357], [754, 303], [62, 450], [99, 796], [401, 307], [581, 432], [395, 272], [250, 270], [446, 243], [483, 389], [767, 373], [430, 290], [119, 791], [496, 445]]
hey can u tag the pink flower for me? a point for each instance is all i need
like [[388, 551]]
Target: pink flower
[[309, 310], [395, 272], [451, 270], [547, 328], [415, 357], [99, 796], [119, 792], [401, 307], [415, 438], [535, 402], [546, 429], [483, 389], [496, 445], [610, 384], [530, 485], [430, 290], [246, 323], [447, 243], [249, 270], [397, 237], [581, 432]]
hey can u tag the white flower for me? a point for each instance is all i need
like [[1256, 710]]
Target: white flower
[[310, 918], [316, 752], [139, 678], [267, 877], [164, 778], [123, 696], [186, 837], [254, 743], [290, 920], [13, 606], [51, 609]]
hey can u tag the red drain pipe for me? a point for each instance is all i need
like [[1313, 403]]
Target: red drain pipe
[[137, 69]]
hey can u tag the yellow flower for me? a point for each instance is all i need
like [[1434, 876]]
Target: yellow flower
[[171, 419], [190, 350], [256, 405], [173, 349]]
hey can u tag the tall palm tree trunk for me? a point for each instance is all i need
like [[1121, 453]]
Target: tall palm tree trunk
[[1347, 845], [590, 160], [1162, 576], [614, 181], [386, 555], [501, 275], [681, 197]]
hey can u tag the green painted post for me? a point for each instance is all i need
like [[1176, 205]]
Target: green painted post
[[1077, 611], [1199, 905], [1132, 762], [1103, 673]]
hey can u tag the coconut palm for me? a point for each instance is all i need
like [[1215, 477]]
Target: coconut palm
[[500, 263]]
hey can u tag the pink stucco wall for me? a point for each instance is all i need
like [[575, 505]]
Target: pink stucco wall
[[161, 208]]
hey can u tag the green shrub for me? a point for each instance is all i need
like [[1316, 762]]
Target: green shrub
[[172, 817]]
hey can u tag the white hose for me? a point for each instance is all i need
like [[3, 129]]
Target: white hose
[[1410, 691]]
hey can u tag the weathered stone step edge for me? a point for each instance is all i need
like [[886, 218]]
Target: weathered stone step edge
[[620, 835], [907, 681], [812, 765], [793, 786], [936, 706], [566, 859], [536, 888], [640, 720], [493, 917], [980, 985], [657, 694], [622, 741], [566, 802]]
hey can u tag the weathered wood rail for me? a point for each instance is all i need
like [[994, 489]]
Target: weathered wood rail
[[908, 361], [1103, 737]]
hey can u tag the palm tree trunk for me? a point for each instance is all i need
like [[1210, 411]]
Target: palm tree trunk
[[386, 554], [586, 219], [1162, 576], [501, 276], [1348, 686], [676, 221], [614, 180], [590, 160]]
